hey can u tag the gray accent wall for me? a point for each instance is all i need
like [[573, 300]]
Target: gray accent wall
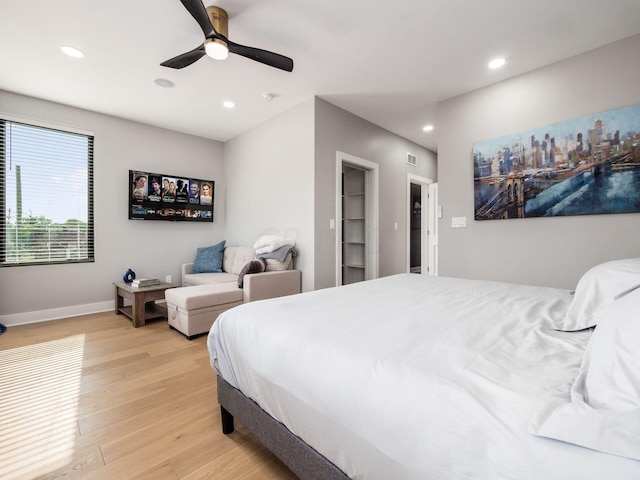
[[338, 130], [551, 251], [150, 248]]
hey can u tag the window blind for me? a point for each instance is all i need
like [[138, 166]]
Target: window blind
[[46, 195]]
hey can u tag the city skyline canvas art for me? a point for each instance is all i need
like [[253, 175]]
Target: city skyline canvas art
[[586, 166]]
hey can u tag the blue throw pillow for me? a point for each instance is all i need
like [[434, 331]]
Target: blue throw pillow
[[209, 259]]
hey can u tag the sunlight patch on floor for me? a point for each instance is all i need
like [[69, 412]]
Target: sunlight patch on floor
[[39, 389]]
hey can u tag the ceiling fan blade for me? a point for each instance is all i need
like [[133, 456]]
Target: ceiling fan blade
[[263, 56], [185, 59], [199, 13]]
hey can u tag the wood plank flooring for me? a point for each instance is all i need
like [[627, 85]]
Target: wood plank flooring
[[93, 398]]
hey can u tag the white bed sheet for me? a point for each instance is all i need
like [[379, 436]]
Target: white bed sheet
[[414, 377]]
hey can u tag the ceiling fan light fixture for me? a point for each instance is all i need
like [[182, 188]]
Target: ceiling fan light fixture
[[216, 48], [214, 23]]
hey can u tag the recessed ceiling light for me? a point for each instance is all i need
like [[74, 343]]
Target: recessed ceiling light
[[163, 82], [71, 51], [428, 128], [228, 104], [497, 63]]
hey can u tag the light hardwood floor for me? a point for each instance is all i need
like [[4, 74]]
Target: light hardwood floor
[[93, 398]]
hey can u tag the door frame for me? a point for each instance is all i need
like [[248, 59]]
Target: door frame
[[372, 196], [425, 214], [435, 214]]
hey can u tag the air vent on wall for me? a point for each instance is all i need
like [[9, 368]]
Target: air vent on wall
[[411, 159]]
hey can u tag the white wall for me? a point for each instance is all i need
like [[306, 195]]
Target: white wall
[[150, 248], [270, 179], [338, 130], [542, 251]]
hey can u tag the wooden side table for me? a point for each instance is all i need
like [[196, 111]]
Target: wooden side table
[[143, 306]]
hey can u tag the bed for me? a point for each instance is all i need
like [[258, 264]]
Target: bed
[[418, 377]]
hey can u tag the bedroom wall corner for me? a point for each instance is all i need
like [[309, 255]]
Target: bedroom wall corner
[[269, 170], [553, 251], [338, 130]]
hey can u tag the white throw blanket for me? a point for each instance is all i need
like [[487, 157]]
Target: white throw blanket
[[269, 243]]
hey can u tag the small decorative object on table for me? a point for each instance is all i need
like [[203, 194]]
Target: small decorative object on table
[[129, 276]]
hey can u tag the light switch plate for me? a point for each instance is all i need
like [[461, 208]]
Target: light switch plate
[[458, 222]]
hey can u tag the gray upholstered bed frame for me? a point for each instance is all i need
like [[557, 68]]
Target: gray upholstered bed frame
[[302, 459]]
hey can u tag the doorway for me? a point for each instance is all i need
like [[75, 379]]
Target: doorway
[[356, 219], [418, 214], [415, 229]]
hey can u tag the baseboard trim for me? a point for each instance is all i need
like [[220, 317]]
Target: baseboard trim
[[56, 313]]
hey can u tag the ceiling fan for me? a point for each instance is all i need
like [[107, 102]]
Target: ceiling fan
[[214, 24]]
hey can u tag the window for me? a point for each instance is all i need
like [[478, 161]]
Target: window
[[46, 195]]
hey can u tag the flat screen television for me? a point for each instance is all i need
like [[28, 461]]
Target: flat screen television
[[158, 196]]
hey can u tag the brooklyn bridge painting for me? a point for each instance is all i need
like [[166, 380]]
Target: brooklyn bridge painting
[[586, 166]]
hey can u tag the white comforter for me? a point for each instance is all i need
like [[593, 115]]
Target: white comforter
[[414, 377]]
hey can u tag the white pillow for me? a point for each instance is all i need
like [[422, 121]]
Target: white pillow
[[601, 285], [602, 409], [612, 380]]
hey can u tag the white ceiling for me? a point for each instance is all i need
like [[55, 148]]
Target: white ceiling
[[389, 63]]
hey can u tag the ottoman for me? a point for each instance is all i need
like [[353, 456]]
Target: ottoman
[[192, 310]]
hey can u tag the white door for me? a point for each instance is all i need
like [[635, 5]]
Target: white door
[[435, 213], [418, 213]]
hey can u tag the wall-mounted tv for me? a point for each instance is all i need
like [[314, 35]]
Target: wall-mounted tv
[[158, 196]]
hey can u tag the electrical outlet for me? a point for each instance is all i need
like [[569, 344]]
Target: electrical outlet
[[167, 279]]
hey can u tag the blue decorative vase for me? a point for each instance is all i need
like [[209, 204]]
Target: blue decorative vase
[[129, 276]]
